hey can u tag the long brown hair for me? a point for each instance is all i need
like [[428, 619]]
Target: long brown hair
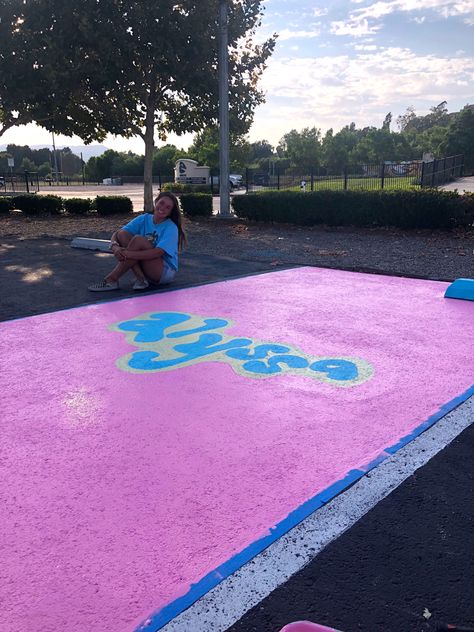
[[176, 217]]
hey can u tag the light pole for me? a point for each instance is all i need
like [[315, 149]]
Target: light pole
[[223, 109], [55, 159]]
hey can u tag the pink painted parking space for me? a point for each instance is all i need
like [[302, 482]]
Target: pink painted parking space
[[152, 445]]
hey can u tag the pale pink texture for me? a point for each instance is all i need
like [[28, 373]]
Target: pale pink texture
[[119, 490]]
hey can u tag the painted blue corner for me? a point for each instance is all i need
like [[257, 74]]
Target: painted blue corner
[[462, 289], [160, 618]]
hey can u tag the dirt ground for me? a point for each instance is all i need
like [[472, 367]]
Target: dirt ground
[[427, 254]]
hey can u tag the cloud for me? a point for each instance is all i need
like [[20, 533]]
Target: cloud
[[355, 28], [333, 91], [286, 34], [362, 20]]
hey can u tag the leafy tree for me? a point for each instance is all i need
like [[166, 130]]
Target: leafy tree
[[165, 158], [438, 116], [260, 149], [70, 164], [44, 169], [128, 67], [376, 146], [303, 149], [63, 78], [404, 120], [205, 149], [27, 165], [336, 148], [387, 121], [100, 167], [459, 138]]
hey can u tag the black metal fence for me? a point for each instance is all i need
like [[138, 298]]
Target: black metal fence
[[442, 170], [386, 175], [63, 180], [26, 182]]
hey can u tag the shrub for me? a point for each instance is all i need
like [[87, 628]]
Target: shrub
[[401, 208], [32, 204], [196, 204], [78, 206], [178, 188], [5, 205], [468, 208], [112, 204]]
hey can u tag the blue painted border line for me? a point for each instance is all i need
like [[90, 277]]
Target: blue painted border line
[[160, 618]]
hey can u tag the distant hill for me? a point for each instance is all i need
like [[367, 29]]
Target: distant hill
[[87, 150]]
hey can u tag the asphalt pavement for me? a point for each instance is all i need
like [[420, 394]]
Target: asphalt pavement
[[406, 566]]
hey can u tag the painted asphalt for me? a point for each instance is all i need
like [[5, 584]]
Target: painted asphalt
[[282, 610]]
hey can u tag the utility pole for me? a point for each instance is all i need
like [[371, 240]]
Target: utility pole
[[55, 159], [224, 109]]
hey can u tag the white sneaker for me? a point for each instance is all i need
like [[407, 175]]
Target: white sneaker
[[140, 285], [104, 286]]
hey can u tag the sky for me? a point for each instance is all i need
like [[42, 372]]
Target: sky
[[344, 61]]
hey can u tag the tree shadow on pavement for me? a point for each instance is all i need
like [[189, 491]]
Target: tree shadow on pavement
[[43, 275]]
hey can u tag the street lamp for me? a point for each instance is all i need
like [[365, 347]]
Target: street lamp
[[223, 109]]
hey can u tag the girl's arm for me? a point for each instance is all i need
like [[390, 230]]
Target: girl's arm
[[144, 255]]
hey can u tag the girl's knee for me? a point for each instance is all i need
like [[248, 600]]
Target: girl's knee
[[138, 242], [123, 237]]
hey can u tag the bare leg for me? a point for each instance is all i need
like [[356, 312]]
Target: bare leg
[[124, 238], [152, 268]]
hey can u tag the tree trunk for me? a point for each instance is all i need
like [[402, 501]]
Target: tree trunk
[[149, 149]]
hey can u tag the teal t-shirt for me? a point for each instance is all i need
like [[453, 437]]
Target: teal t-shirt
[[163, 235]]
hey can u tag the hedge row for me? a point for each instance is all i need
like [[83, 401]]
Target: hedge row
[[178, 188], [5, 205], [427, 208], [199, 204], [53, 204]]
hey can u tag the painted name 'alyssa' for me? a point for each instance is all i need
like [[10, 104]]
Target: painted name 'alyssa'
[[170, 340]]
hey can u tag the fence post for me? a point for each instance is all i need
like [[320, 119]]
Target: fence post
[[246, 179], [433, 176], [278, 177], [422, 179], [312, 179], [159, 181], [26, 182], [345, 178], [382, 175]]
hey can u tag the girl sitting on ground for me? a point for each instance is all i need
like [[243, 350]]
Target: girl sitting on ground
[[148, 246]]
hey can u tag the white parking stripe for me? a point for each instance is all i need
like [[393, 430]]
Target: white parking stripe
[[234, 596]]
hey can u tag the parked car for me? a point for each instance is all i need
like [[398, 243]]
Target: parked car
[[235, 181]]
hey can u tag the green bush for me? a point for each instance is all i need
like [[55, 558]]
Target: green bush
[[401, 208], [78, 206], [5, 205], [32, 204], [178, 188], [113, 204], [196, 204]]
